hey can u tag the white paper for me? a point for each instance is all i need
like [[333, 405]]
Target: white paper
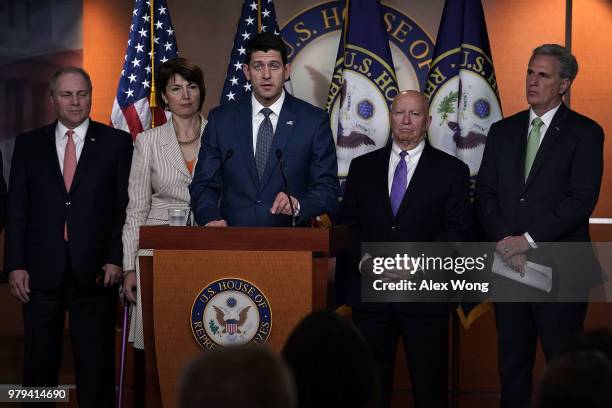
[[536, 275]]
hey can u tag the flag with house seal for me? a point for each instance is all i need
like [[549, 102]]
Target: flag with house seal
[[363, 84], [461, 85], [463, 96]]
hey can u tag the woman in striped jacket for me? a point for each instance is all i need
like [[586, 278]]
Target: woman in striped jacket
[[162, 167]]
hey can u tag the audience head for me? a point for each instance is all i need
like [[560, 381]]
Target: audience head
[[593, 340], [239, 376], [331, 363], [577, 379]]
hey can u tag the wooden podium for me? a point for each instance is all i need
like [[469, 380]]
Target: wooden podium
[[290, 266]]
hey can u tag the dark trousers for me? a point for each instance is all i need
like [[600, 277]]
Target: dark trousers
[[518, 327], [92, 331], [425, 339]]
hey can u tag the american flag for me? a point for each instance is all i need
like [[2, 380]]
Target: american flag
[[132, 109], [256, 16]]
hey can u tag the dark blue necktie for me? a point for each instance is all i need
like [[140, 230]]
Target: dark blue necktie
[[264, 141]]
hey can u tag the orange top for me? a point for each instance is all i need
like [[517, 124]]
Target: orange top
[[190, 164]]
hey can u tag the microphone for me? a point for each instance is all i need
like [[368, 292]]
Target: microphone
[[228, 155], [281, 166]]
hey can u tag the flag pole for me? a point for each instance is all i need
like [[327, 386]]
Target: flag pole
[[259, 16], [152, 103]]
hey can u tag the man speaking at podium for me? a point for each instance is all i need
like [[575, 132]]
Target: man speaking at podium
[[66, 208], [249, 144]]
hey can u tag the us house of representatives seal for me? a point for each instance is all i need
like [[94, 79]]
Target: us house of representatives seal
[[312, 38], [464, 103], [230, 311]]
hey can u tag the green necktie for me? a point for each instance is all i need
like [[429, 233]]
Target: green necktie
[[533, 142]]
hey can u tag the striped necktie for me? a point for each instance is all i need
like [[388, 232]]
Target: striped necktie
[[264, 141]]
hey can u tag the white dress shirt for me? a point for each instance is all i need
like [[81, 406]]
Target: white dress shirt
[[412, 159], [259, 117], [61, 139], [546, 118]]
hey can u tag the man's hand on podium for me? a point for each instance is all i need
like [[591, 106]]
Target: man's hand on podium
[[216, 223]]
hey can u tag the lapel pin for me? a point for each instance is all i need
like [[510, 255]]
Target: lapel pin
[[290, 122], [557, 128], [92, 139]]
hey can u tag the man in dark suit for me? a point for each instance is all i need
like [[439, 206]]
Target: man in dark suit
[[539, 182], [407, 191], [66, 208], [3, 199], [246, 142], [3, 196]]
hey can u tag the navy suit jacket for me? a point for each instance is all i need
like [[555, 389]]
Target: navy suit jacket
[[94, 208], [556, 200], [231, 190], [434, 209]]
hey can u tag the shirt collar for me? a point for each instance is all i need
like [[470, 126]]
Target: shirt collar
[[79, 131], [546, 118], [411, 153], [275, 107]]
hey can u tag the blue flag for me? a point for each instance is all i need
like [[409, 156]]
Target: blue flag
[[463, 97], [363, 84], [461, 85], [256, 16]]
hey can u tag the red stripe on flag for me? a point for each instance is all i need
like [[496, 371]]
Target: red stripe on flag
[[133, 120], [160, 116]]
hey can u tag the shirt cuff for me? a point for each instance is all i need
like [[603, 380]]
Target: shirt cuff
[[532, 243], [296, 209], [365, 257]]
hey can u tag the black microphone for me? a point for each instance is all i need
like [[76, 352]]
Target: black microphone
[[228, 154], [281, 166]]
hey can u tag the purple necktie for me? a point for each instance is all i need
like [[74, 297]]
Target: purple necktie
[[398, 187]]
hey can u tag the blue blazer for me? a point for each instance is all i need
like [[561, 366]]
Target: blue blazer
[[230, 189]]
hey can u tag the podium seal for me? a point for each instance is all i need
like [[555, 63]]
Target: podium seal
[[229, 312]]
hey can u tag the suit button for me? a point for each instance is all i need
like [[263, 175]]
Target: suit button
[[67, 202], [393, 228], [258, 202], [522, 200]]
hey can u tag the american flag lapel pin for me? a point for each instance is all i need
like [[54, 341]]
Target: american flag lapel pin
[[290, 122]]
